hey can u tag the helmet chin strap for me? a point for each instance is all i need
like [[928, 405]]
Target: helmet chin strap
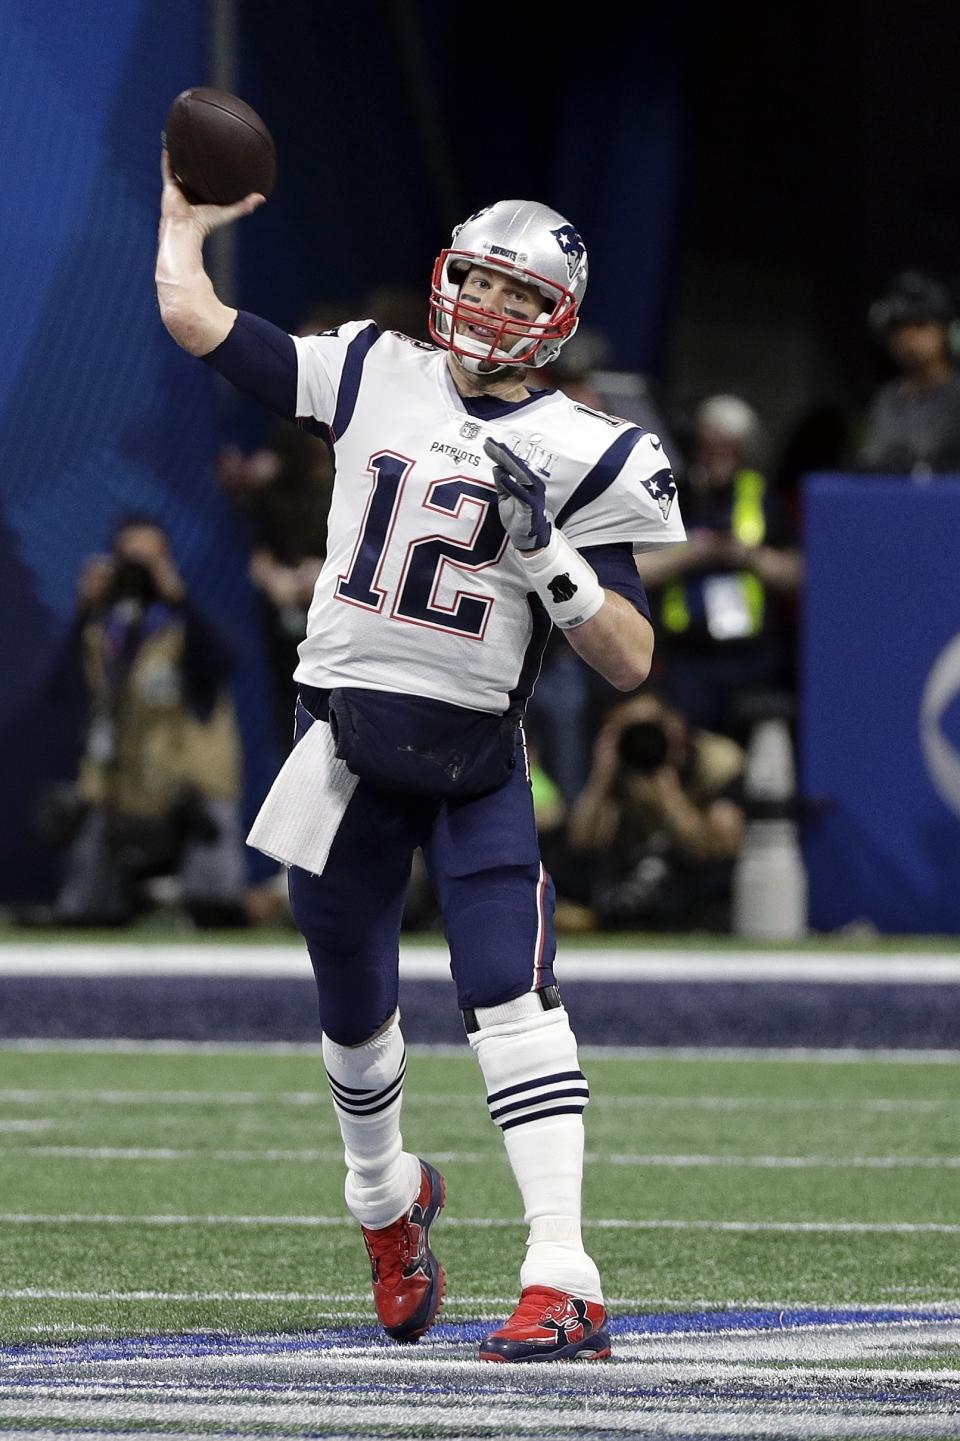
[[476, 366], [487, 370]]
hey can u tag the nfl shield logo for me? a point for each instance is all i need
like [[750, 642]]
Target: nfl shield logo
[[469, 430]]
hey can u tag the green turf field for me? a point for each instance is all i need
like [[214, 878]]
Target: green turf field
[[710, 1182]]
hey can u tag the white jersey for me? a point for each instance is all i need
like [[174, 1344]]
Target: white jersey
[[421, 592]]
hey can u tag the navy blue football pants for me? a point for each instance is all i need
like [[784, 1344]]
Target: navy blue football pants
[[484, 862]]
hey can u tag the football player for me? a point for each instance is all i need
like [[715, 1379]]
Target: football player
[[470, 513]]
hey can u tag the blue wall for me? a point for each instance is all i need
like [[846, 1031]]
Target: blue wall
[[392, 123], [881, 703], [99, 411]]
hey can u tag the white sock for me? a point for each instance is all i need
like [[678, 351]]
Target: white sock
[[366, 1083], [536, 1093]]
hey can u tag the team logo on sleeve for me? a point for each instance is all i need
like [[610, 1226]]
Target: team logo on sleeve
[[663, 488], [572, 246]]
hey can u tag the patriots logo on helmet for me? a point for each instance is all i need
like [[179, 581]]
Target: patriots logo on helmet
[[572, 246], [469, 220]]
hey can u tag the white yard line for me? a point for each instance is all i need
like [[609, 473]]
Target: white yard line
[[310, 1156], [793, 1346], [881, 1228], [923, 1310], [762, 1422], [44, 1293], [11, 1095], [765, 1163], [504, 1413], [723, 1384], [882, 1105], [30, 1096], [200, 1153], [804, 1055], [432, 963]]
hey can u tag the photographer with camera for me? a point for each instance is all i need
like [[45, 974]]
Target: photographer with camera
[[660, 821], [160, 775]]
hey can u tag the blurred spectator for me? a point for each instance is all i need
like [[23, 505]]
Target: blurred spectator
[[160, 777], [284, 491], [718, 623], [913, 427], [570, 696], [657, 829]]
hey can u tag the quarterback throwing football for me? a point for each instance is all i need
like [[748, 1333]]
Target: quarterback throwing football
[[470, 514]]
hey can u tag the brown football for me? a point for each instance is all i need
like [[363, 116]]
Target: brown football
[[219, 148]]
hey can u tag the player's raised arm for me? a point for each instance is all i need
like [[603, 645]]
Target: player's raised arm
[[189, 307]]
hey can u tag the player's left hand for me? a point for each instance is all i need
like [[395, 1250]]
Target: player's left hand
[[521, 498]]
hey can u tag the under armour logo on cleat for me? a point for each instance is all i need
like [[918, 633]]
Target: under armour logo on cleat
[[568, 1318], [413, 1243]]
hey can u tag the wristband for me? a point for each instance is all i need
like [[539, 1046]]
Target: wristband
[[564, 581]]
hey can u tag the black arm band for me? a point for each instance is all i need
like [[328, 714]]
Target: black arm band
[[261, 360], [616, 570]]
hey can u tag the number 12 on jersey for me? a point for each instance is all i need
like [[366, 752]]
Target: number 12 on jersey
[[426, 557]]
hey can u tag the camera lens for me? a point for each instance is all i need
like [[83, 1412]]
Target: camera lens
[[643, 747]]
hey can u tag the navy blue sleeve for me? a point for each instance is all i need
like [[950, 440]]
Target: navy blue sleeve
[[261, 360], [617, 571]]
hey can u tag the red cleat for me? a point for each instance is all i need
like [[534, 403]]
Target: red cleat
[[550, 1325], [408, 1280]]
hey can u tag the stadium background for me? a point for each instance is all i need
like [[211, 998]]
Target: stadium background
[[745, 188], [778, 1225]]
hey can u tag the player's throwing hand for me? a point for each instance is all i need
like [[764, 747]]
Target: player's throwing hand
[[521, 498], [208, 217]]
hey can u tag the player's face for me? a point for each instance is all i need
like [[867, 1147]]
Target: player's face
[[499, 293], [145, 543], [717, 455], [918, 343]]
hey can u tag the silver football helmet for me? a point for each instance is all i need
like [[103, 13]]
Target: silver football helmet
[[533, 244]]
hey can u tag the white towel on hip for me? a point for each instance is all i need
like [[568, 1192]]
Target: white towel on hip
[[301, 815]]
